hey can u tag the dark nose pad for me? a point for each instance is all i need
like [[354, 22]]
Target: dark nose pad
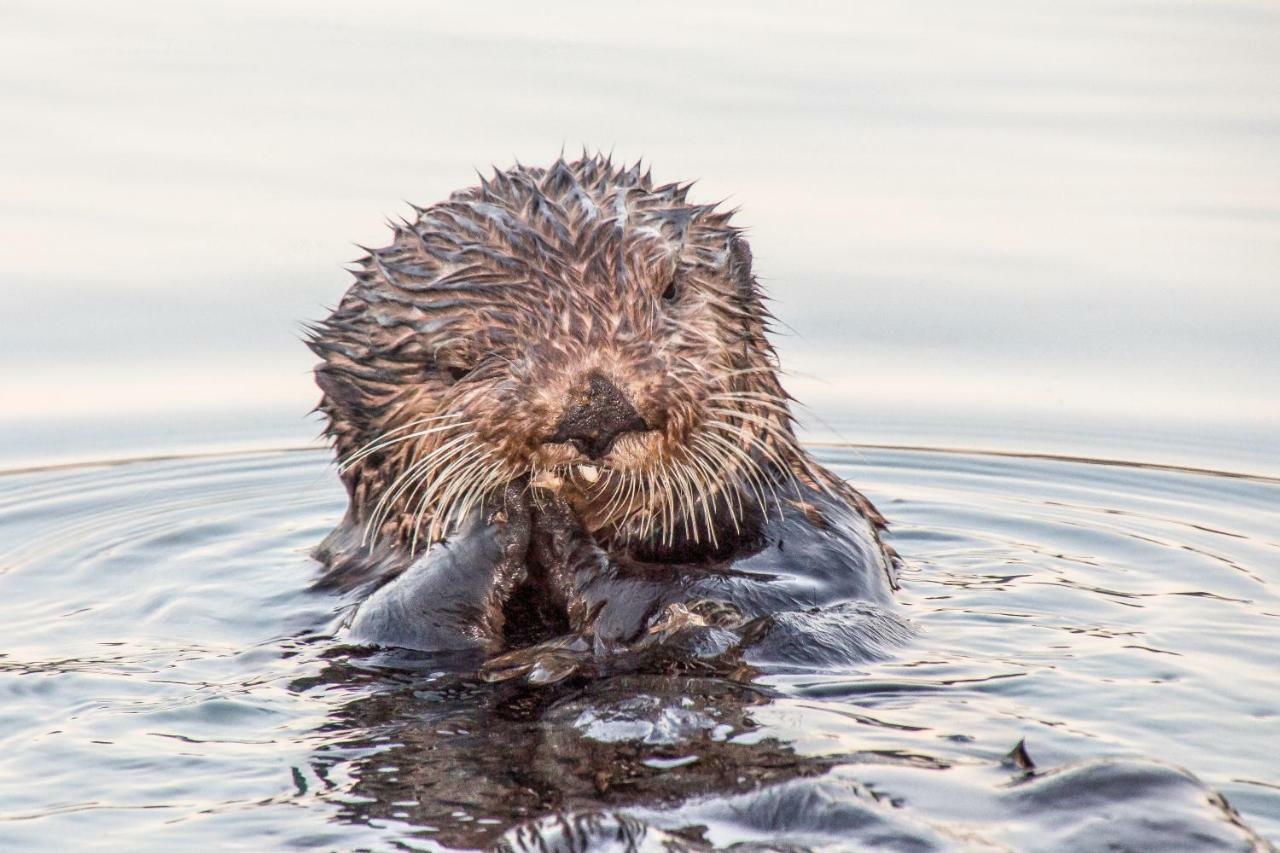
[[596, 415]]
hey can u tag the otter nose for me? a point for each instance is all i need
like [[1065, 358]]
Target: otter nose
[[596, 415]]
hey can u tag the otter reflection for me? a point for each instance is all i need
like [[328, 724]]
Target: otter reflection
[[462, 761], [677, 762]]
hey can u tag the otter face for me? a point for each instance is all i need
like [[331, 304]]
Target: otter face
[[574, 326]]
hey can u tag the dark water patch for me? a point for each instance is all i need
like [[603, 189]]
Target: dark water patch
[[165, 676]]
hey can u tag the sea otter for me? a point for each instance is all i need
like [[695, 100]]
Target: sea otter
[[558, 418]]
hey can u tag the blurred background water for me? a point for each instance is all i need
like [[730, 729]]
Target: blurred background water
[[1020, 226]]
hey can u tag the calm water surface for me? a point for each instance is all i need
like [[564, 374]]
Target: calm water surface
[[999, 221], [166, 676]]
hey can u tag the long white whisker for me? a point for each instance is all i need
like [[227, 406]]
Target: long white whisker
[[753, 400], [707, 495], [647, 496], [457, 506], [445, 479], [710, 478], [766, 404], [765, 422], [481, 486], [350, 463], [669, 503], [615, 494], [751, 470], [770, 428], [385, 435], [689, 488], [406, 477], [415, 474], [385, 439], [455, 481], [757, 443], [457, 456], [464, 457], [441, 456], [730, 468], [756, 440], [633, 478]]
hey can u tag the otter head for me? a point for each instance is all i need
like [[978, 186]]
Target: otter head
[[577, 328]]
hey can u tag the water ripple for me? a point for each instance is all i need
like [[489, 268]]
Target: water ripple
[[164, 671]]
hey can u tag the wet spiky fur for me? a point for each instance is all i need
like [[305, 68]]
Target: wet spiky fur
[[447, 363]]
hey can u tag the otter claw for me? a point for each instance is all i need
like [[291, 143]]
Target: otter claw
[[555, 660], [720, 614], [700, 614], [543, 664]]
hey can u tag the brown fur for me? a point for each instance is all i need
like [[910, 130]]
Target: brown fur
[[486, 312]]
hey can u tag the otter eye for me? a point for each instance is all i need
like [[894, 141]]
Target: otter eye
[[672, 291]]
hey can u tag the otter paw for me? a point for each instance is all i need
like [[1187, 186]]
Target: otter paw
[[545, 663], [719, 614], [705, 613], [701, 631]]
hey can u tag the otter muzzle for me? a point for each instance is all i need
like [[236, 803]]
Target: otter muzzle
[[596, 415]]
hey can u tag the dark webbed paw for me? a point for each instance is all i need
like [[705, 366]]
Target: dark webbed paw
[[703, 633], [677, 619], [508, 519], [451, 597], [544, 663], [699, 635]]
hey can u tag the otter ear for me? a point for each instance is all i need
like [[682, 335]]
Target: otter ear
[[740, 266]]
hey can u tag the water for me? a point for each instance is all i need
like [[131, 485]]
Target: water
[[167, 676], [1020, 227]]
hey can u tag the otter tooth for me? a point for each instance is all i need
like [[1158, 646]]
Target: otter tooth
[[590, 473]]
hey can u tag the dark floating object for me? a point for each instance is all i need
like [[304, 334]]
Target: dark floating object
[[1019, 757]]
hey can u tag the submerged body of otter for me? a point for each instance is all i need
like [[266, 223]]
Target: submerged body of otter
[[563, 438]]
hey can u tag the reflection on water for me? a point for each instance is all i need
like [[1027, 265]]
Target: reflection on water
[[163, 672]]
